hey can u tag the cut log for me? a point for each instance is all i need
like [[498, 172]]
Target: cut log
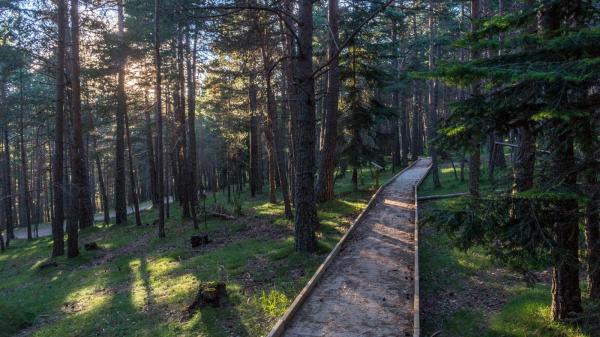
[[209, 294], [220, 212], [91, 246], [48, 265], [222, 215], [199, 240]]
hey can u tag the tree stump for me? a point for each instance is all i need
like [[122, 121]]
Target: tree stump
[[91, 246], [199, 240], [209, 294]]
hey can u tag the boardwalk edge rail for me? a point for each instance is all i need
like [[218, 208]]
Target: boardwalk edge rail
[[417, 297], [279, 328]]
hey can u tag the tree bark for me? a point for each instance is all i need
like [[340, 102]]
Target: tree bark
[[134, 195], [39, 177], [272, 165], [159, 147], [404, 132], [180, 110], [325, 181], [292, 99], [566, 294], [254, 137], [8, 200], [24, 202], [475, 159], [306, 213], [433, 100], [416, 122], [398, 156], [272, 129], [120, 185], [191, 153], [592, 226], [103, 192], [78, 184], [524, 155], [7, 189], [524, 162], [152, 171]]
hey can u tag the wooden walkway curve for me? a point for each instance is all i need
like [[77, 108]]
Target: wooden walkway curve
[[366, 286]]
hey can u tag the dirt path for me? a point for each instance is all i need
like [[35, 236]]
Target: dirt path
[[368, 288], [45, 229]]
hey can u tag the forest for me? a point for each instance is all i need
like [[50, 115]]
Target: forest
[[300, 168]]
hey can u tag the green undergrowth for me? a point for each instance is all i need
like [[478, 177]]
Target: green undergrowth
[[468, 295], [451, 182], [139, 285]]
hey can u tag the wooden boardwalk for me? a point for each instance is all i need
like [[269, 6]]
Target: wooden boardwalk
[[366, 287]]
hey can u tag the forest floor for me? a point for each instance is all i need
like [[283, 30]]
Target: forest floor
[[467, 294], [139, 285]]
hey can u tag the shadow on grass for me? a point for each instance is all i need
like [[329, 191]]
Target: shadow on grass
[[142, 291]]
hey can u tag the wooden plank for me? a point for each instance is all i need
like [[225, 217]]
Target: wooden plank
[[443, 196], [279, 328], [417, 294]]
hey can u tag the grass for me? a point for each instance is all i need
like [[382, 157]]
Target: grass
[[524, 312], [146, 283], [461, 288], [451, 183]]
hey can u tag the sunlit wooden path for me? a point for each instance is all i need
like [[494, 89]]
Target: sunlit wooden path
[[367, 287]]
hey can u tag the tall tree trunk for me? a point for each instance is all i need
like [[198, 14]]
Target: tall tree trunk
[[492, 148], [433, 100], [179, 101], [39, 177], [272, 166], [325, 181], [120, 186], [254, 138], [159, 147], [404, 132], [8, 200], [400, 123], [191, 153], [306, 213], [524, 162], [168, 174], [475, 158], [24, 203], [524, 155], [80, 192], [272, 129], [592, 223], [134, 195], [292, 98], [415, 116], [152, 171], [566, 294], [416, 121], [103, 193]]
